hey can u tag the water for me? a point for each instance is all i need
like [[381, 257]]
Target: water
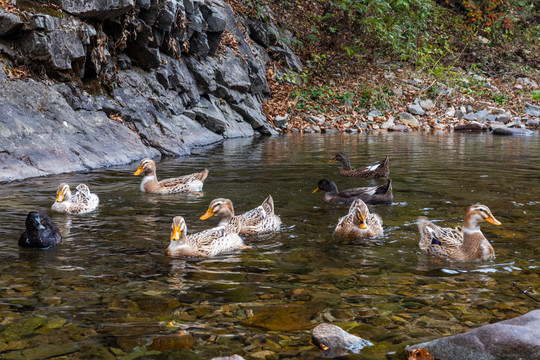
[[109, 291]]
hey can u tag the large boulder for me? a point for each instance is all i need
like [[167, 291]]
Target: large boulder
[[329, 336], [513, 339]]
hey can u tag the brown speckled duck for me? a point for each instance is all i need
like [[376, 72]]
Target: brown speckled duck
[[465, 243], [377, 170], [370, 195], [187, 183], [206, 243], [255, 221], [359, 222]]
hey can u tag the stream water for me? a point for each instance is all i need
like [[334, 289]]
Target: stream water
[[109, 291]]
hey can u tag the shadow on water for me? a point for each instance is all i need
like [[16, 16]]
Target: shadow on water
[[109, 290]]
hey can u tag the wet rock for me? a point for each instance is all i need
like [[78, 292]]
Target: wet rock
[[10, 23], [415, 109], [175, 342], [517, 338], [512, 131], [156, 303], [21, 328], [471, 126], [532, 110], [329, 336], [287, 317], [232, 357]]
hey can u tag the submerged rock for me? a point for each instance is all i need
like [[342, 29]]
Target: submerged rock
[[517, 338], [512, 131], [329, 336], [287, 317]]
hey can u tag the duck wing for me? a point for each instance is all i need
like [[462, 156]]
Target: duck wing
[[439, 241], [184, 180]]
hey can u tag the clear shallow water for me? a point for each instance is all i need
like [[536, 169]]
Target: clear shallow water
[[109, 291]]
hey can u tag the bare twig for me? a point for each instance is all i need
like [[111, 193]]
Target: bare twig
[[524, 292]]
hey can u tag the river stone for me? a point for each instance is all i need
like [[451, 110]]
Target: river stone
[[232, 357], [533, 123], [427, 104], [331, 336], [156, 303], [408, 119], [471, 126], [286, 317], [513, 339], [532, 110], [175, 342], [512, 131], [399, 127], [21, 328], [415, 109], [50, 350]]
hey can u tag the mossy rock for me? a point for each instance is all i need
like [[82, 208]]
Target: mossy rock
[[21, 328]]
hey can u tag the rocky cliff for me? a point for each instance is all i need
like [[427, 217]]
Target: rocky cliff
[[94, 83]]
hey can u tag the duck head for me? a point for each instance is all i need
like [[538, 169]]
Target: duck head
[[222, 208], [63, 192], [476, 214], [178, 229], [148, 166], [327, 185], [361, 213]]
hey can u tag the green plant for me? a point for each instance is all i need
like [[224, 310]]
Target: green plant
[[499, 98], [535, 95]]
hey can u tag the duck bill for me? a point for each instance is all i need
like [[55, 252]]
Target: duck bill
[[59, 197], [175, 234], [138, 171], [492, 220], [363, 225], [208, 214], [334, 159], [316, 191]]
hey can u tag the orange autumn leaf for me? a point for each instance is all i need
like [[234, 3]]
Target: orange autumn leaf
[[421, 354]]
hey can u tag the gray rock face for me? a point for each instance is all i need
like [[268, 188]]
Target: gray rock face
[[41, 134], [513, 339], [167, 83], [10, 23], [102, 9], [59, 47], [330, 336]]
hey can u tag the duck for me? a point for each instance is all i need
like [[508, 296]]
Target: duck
[[370, 195], [207, 243], [187, 183], [466, 243], [82, 201], [359, 222], [40, 232], [255, 221], [376, 170]]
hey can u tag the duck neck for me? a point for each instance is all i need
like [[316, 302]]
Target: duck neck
[[346, 163], [149, 179]]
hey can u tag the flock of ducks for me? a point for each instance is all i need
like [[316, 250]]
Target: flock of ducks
[[465, 243]]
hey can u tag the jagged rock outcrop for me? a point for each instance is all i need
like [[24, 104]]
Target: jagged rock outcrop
[[114, 81]]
